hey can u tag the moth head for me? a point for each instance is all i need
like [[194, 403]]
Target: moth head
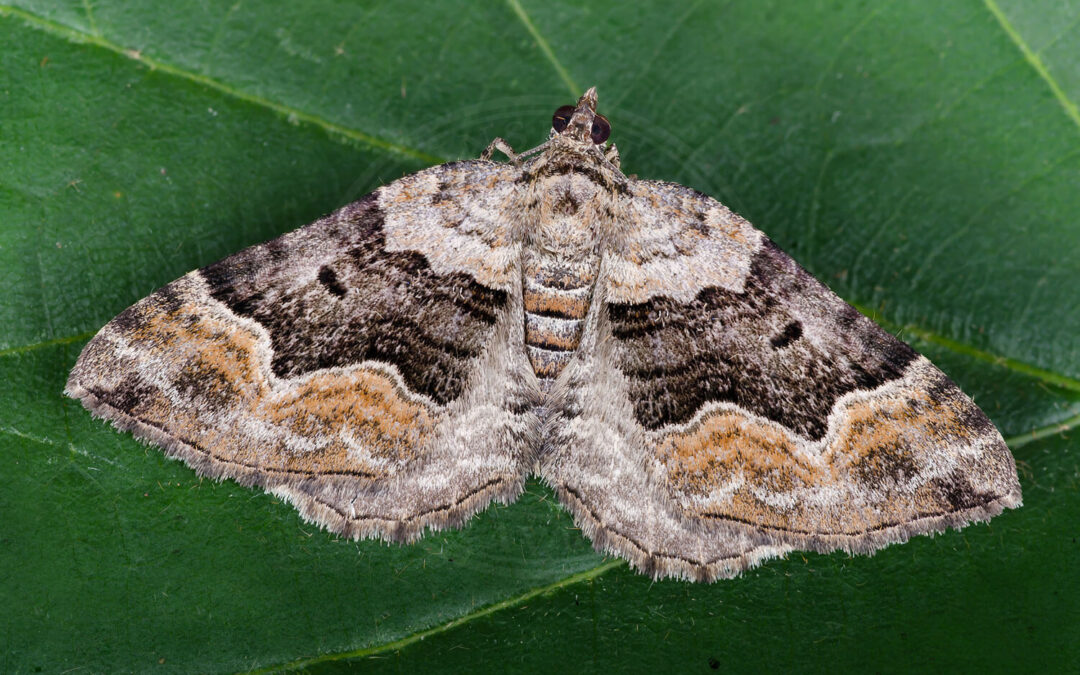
[[581, 122]]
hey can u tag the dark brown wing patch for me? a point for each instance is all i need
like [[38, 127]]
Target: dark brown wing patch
[[354, 309], [785, 348]]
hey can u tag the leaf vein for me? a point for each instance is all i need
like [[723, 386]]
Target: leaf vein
[[944, 243], [1047, 376], [1020, 440], [288, 112], [509, 603], [22, 349], [643, 69], [11, 431], [542, 43], [1068, 105]]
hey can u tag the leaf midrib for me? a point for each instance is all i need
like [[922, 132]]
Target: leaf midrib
[[96, 39], [580, 577]]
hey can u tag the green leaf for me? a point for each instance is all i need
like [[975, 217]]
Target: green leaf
[[921, 158]]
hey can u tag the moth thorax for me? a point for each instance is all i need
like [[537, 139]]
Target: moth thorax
[[557, 291], [567, 217]]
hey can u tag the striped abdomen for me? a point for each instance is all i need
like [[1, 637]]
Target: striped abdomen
[[557, 292]]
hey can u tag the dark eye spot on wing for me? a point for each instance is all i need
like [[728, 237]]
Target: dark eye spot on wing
[[791, 333], [328, 278]]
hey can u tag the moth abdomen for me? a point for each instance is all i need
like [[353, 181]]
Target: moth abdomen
[[557, 292]]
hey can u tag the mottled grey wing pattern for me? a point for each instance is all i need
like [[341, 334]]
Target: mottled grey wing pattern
[[379, 390], [727, 407]]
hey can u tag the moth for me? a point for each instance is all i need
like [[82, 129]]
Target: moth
[[695, 398]]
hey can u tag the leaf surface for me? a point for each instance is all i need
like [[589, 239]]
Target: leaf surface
[[921, 160]]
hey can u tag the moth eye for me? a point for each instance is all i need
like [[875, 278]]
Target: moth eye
[[561, 118], [601, 129]]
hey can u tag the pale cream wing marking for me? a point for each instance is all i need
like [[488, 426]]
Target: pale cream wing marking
[[674, 243]]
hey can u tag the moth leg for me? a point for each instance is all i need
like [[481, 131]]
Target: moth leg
[[611, 154], [503, 147]]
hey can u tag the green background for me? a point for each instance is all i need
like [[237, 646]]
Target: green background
[[921, 158]]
